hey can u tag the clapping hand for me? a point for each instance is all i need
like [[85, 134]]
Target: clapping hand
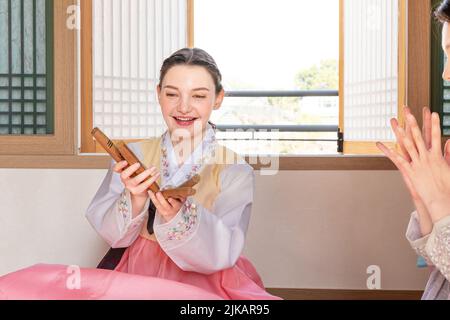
[[425, 169]]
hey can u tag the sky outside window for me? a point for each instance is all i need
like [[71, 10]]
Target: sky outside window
[[263, 44]]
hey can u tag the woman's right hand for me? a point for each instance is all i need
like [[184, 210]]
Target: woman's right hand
[[138, 185]]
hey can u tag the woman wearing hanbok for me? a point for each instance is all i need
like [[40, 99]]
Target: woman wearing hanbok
[[189, 248]]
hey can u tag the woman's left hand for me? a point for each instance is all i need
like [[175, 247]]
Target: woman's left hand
[[169, 208], [428, 171]]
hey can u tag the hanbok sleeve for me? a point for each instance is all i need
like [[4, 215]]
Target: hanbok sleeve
[[438, 246], [204, 241], [110, 212], [415, 238]]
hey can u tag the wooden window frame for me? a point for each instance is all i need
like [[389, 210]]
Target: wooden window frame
[[418, 94], [66, 132], [369, 147], [62, 142], [59, 150]]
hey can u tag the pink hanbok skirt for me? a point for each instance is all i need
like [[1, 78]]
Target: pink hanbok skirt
[[145, 272]]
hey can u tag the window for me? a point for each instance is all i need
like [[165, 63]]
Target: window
[[282, 72], [373, 84], [26, 83], [385, 85], [37, 60]]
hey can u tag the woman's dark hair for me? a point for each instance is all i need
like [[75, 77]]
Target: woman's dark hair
[[193, 57], [442, 12]]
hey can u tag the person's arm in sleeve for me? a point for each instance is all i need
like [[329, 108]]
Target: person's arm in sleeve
[[205, 242], [438, 246], [110, 212], [416, 239]]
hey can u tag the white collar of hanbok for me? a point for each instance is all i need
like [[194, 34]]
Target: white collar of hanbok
[[173, 175]]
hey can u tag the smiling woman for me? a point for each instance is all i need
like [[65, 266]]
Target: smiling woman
[[196, 240], [182, 104], [188, 241]]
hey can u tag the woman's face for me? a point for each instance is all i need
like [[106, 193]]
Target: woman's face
[[187, 97], [446, 48]]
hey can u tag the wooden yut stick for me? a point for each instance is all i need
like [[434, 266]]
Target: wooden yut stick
[[180, 192], [107, 144], [121, 152]]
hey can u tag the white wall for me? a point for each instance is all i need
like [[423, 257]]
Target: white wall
[[309, 229]]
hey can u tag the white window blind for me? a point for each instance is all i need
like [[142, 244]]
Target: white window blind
[[131, 39], [370, 68]]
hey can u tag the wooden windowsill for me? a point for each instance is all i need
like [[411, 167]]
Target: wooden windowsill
[[301, 163]]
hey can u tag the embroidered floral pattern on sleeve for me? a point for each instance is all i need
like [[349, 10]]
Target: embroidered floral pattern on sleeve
[[440, 251], [186, 226], [124, 210]]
